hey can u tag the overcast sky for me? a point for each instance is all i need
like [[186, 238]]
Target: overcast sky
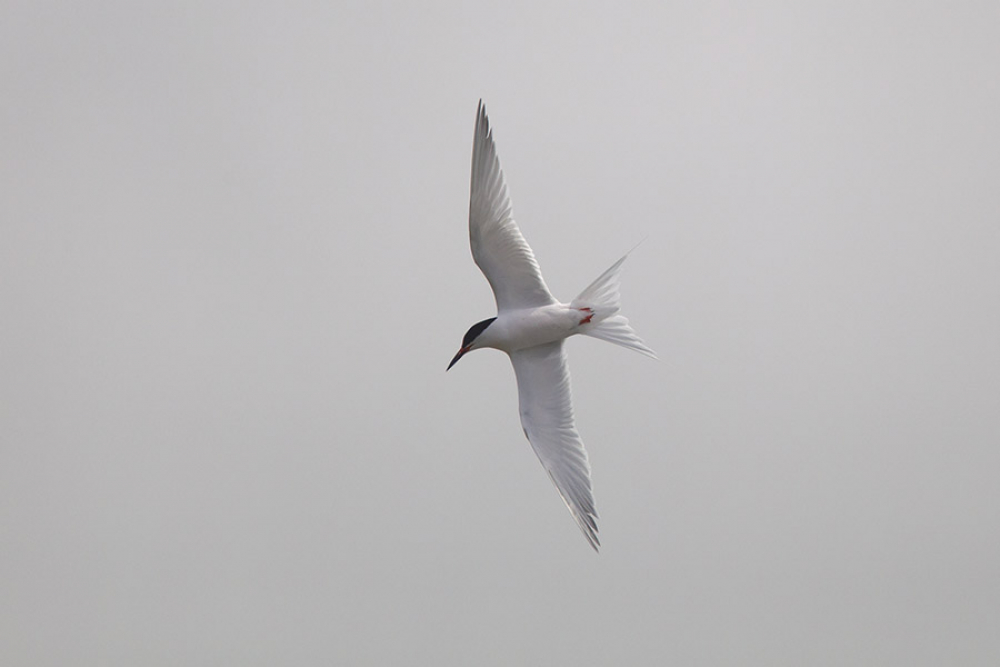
[[234, 264]]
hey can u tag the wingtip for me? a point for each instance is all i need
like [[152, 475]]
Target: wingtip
[[592, 538], [482, 124]]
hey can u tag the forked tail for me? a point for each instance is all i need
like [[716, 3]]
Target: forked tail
[[603, 298]]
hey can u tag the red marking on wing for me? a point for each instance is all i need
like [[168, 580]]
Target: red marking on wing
[[590, 315]]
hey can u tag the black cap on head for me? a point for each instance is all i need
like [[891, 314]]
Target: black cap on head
[[474, 331], [470, 335]]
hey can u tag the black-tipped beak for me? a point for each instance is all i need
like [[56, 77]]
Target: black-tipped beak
[[457, 357]]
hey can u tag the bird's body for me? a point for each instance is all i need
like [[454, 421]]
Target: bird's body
[[531, 326], [515, 330]]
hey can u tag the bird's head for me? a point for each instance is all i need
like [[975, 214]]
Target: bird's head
[[472, 340]]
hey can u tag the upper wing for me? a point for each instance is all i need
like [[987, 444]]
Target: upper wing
[[497, 244], [547, 417]]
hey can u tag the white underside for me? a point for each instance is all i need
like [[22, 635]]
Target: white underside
[[519, 329]]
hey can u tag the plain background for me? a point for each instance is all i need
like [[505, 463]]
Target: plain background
[[234, 264]]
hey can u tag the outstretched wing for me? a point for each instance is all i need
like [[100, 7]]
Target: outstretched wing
[[547, 417], [497, 244]]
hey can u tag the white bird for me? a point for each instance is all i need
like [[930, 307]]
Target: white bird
[[531, 326]]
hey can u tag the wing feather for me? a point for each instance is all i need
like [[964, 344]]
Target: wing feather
[[498, 247], [546, 406]]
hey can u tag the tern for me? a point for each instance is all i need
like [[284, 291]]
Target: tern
[[531, 325]]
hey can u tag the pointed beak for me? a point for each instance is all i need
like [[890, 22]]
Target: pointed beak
[[457, 357]]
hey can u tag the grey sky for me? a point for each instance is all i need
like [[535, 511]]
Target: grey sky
[[234, 263]]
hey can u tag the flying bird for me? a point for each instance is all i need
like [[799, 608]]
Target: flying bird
[[531, 326]]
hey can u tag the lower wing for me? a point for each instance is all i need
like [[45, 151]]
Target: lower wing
[[547, 417]]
